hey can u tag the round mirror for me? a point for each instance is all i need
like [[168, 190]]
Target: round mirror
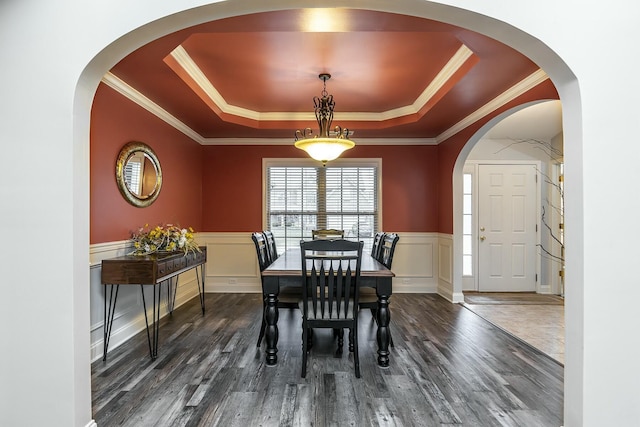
[[138, 174]]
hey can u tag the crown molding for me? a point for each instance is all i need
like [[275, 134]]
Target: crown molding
[[284, 141], [134, 95], [509, 95], [452, 66]]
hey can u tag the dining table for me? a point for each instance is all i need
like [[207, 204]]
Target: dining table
[[286, 270]]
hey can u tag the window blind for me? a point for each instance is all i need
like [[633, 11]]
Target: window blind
[[301, 199]]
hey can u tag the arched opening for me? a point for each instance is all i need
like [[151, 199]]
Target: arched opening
[[531, 142], [553, 65]]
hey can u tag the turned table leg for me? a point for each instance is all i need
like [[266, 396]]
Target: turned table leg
[[271, 331], [384, 317]]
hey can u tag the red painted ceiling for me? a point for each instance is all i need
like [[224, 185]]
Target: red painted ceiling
[[269, 63]]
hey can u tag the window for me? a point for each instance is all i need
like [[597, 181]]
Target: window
[[301, 197]]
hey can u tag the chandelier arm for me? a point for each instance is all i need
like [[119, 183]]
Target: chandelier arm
[[322, 147]]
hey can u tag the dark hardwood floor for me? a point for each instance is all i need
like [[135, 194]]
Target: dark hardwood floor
[[448, 367]]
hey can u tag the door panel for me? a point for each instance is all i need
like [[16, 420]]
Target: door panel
[[507, 196]]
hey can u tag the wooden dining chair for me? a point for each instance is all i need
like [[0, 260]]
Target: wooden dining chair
[[368, 296], [330, 291], [377, 244], [387, 249], [271, 245], [327, 234], [288, 296]]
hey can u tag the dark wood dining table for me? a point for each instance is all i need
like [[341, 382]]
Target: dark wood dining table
[[286, 270]]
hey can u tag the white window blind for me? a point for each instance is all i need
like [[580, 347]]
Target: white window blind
[[300, 199], [133, 175]]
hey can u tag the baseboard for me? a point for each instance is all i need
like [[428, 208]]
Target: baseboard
[[233, 288], [92, 423], [449, 295]]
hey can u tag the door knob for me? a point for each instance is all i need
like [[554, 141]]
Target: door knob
[[482, 238], [481, 228]]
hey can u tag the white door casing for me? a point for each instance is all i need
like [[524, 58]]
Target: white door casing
[[507, 222]]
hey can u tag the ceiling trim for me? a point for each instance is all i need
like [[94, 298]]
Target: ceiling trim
[[134, 95], [191, 68], [509, 95], [137, 97], [285, 141], [513, 92]]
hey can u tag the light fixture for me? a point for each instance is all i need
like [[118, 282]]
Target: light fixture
[[322, 147]]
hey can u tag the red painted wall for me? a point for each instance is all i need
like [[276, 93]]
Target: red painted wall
[[115, 121], [219, 188], [232, 185]]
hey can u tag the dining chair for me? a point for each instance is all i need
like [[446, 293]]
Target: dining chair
[[271, 245], [327, 234], [368, 296], [288, 296], [388, 248], [330, 291], [377, 244]]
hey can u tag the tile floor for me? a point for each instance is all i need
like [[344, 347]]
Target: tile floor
[[541, 326]]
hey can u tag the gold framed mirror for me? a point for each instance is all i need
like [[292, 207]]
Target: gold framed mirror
[[138, 174]]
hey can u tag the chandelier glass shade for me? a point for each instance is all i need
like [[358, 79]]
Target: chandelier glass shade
[[323, 147]]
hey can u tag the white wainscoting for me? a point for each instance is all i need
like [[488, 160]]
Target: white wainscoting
[[129, 315], [422, 263], [445, 269], [233, 266]]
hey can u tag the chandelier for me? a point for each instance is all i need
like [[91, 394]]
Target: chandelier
[[322, 147]]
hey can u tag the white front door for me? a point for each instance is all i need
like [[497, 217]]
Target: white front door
[[507, 219]]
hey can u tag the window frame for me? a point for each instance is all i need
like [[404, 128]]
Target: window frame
[[307, 162]]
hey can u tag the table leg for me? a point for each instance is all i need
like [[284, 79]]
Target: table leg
[[271, 331], [384, 317], [155, 326], [108, 318], [172, 290], [200, 280], [156, 321]]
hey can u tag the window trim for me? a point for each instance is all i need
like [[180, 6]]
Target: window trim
[[308, 162]]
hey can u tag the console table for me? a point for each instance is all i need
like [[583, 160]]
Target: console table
[[153, 270]]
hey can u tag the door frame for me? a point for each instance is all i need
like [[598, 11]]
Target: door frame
[[471, 283]]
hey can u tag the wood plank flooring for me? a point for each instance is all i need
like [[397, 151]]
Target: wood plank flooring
[[449, 367]]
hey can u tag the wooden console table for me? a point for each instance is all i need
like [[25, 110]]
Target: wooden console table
[[151, 270]]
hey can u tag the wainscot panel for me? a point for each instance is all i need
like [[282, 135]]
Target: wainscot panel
[[233, 267], [445, 268]]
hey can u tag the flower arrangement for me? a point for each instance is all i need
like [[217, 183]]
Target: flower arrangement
[[163, 238]]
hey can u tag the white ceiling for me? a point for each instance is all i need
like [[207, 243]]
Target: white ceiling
[[541, 121]]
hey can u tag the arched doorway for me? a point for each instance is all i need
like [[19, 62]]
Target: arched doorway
[[552, 64]]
